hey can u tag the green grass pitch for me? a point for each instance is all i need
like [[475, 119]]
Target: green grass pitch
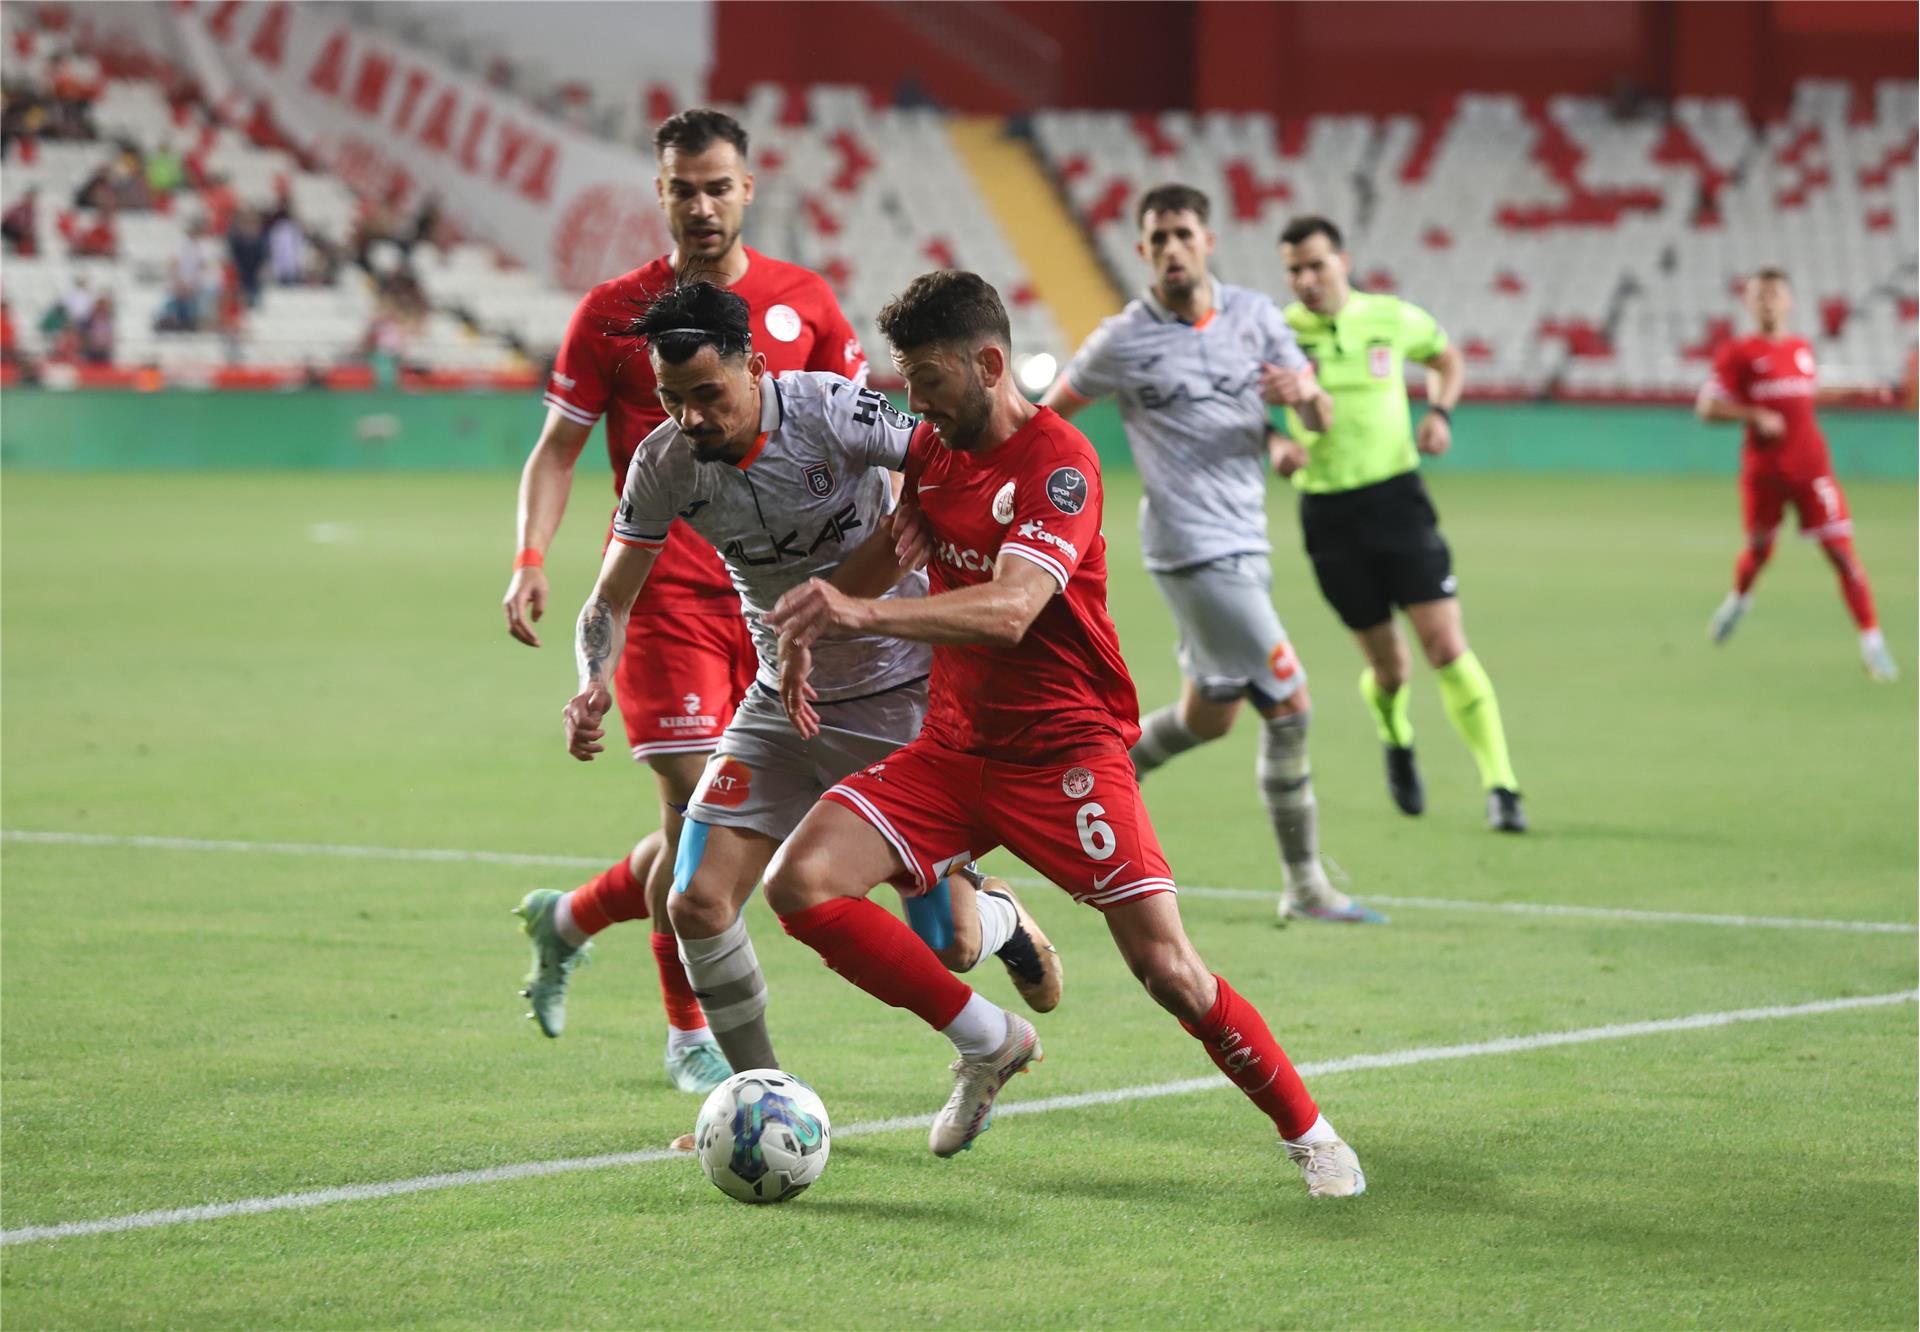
[[321, 659]]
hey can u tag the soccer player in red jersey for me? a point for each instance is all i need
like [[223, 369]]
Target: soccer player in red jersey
[[1765, 382], [688, 657], [1026, 739]]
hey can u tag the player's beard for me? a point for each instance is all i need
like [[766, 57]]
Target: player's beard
[[970, 417], [711, 448]]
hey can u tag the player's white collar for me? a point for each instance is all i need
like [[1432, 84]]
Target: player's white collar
[[769, 404]]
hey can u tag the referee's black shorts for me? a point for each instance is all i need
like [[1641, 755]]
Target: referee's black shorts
[[1375, 548]]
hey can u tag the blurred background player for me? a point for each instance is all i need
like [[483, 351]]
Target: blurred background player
[[1369, 527], [1766, 382], [1030, 719], [689, 656], [789, 478], [1185, 360]]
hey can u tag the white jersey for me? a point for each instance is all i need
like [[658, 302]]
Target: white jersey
[[813, 487], [1190, 401]]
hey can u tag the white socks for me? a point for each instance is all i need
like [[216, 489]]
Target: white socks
[[980, 1029], [1321, 1131], [563, 922], [998, 921], [1872, 640], [679, 1042]]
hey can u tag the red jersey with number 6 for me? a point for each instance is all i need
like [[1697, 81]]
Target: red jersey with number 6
[[1035, 495], [1776, 373], [797, 325]]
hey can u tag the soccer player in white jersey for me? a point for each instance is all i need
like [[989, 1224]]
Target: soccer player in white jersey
[[1185, 360], [789, 479]]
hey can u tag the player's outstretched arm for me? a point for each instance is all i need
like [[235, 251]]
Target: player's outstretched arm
[[545, 483], [598, 636], [1063, 399], [996, 613]]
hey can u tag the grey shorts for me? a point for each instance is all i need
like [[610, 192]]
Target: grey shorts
[[1231, 642], [765, 778]]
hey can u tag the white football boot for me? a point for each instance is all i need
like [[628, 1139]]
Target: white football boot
[[977, 1083]]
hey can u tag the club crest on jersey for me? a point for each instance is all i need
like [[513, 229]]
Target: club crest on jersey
[[819, 480], [1067, 488], [783, 321], [1003, 504], [1077, 783], [1803, 360]]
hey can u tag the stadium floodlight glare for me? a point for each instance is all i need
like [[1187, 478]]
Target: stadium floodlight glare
[[1036, 372]]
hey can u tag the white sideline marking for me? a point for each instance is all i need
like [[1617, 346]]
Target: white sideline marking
[[1429, 1054], [457, 856], [301, 849]]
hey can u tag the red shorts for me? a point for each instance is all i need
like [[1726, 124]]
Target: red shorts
[[1818, 499], [1080, 822], [679, 678]]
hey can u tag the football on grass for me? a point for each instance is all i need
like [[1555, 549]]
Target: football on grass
[[762, 1136]]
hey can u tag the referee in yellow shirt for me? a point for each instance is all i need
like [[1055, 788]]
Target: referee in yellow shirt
[[1370, 529]]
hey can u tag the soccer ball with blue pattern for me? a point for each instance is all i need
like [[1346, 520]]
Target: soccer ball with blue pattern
[[762, 1136]]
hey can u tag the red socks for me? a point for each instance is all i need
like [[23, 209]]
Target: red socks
[[610, 896], [1748, 566], [683, 1010], [1237, 1039], [874, 949], [1853, 581]]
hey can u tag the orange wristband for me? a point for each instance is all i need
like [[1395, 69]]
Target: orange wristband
[[529, 558]]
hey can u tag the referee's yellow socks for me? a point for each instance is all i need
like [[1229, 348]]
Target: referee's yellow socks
[[1389, 710], [1467, 694]]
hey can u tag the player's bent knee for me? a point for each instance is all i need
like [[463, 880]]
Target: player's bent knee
[[1176, 980], [800, 876], [704, 908]]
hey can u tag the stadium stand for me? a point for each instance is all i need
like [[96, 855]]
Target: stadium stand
[[147, 230], [1602, 260], [861, 194]]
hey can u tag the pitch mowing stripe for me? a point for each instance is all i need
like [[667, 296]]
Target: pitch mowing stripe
[[285, 1202], [454, 855]]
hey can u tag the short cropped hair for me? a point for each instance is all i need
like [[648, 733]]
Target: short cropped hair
[[697, 130], [1305, 228], [1172, 198], [690, 315], [948, 306], [1771, 273]]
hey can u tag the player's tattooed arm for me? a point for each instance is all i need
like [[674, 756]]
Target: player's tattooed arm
[[597, 638]]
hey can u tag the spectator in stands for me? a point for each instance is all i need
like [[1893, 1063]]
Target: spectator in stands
[[193, 281], [286, 249], [247, 247], [218, 198], [79, 300], [24, 120], [66, 318], [122, 183], [91, 235], [166, 169], [96, 332], [9, 336], [426, 223], [17, 225]]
